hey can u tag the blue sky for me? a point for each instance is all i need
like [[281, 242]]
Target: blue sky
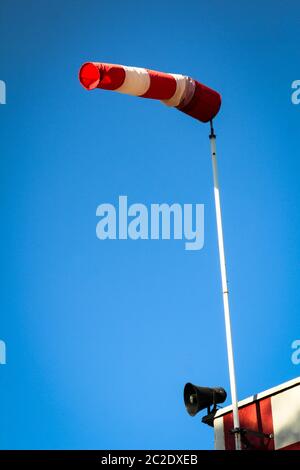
[[102, 335]]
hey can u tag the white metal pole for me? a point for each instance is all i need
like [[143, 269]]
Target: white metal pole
[[236, 421]]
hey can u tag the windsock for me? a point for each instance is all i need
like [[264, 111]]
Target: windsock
[[178, 91]]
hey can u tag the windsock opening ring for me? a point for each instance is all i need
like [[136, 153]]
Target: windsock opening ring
[[89, 76]]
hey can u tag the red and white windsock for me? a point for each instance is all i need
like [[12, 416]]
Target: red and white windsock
[[178, 91]]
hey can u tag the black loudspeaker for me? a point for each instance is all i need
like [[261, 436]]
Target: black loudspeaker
[[198, 398]]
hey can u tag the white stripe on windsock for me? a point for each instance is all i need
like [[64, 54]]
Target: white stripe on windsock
[[179, 95], [136, 83]]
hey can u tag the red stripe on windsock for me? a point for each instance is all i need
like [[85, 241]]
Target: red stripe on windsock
[[204, 105], [162, 86], [106, 76]]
